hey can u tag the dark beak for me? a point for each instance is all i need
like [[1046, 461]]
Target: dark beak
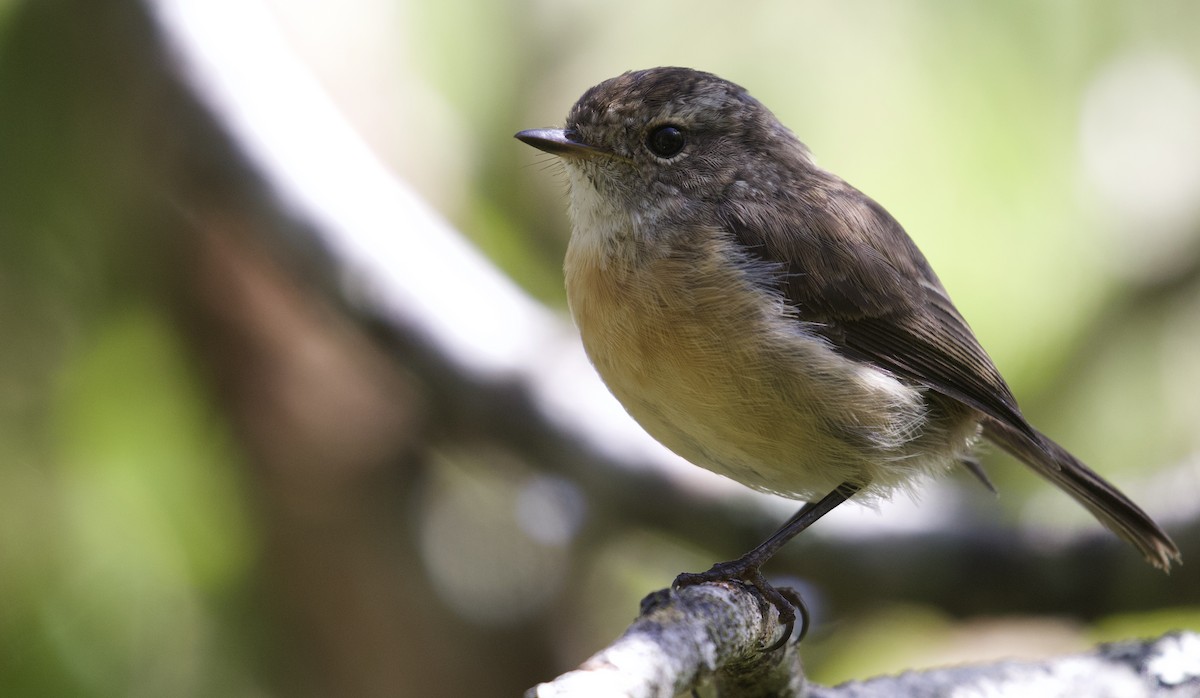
[[557, 141]]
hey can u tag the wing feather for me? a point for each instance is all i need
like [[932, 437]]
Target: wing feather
[[849, 268]]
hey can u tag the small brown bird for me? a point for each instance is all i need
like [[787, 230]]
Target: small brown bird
[[766, 320]]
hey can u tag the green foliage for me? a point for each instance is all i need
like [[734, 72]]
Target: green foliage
[[133, 533]]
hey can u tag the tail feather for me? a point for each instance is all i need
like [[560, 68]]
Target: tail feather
[[1103, 500]]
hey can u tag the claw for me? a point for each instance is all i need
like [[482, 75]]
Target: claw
[[786, 600], [745, 569], [797, 602], [788, 627]]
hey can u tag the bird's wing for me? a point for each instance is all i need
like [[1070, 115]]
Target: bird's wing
[[850, 269]]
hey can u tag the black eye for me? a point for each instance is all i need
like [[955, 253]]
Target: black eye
[[665, 141]]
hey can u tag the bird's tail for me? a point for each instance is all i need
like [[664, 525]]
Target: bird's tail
[[1113, 509]]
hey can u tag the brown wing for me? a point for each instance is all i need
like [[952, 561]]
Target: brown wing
[[849, 266]]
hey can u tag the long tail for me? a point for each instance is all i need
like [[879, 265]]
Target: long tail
[[1113, 509]]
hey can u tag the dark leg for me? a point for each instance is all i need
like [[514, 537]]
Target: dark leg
[[746, 568]]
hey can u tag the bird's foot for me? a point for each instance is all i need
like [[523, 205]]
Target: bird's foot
[[785, 599]]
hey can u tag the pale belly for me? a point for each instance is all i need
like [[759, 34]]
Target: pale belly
[[719, 372]]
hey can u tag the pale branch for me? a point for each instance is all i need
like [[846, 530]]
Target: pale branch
[[712, 636], [1165, 667], [708, 633]]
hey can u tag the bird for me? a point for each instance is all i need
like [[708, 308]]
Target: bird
[[764, 319]]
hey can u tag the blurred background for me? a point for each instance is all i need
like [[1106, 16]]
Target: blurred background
[[229, 467]]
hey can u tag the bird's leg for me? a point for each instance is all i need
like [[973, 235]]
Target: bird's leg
[[746, 568]]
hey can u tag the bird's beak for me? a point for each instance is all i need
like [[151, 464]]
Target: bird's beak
[[557, 141]]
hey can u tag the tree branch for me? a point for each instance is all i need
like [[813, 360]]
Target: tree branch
[[1165, 667], [687, 638], [714, 634]]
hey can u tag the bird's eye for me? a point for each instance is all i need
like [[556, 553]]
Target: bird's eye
[[665, 141]]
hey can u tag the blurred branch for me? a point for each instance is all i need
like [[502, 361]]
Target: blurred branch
[[494, 365]]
